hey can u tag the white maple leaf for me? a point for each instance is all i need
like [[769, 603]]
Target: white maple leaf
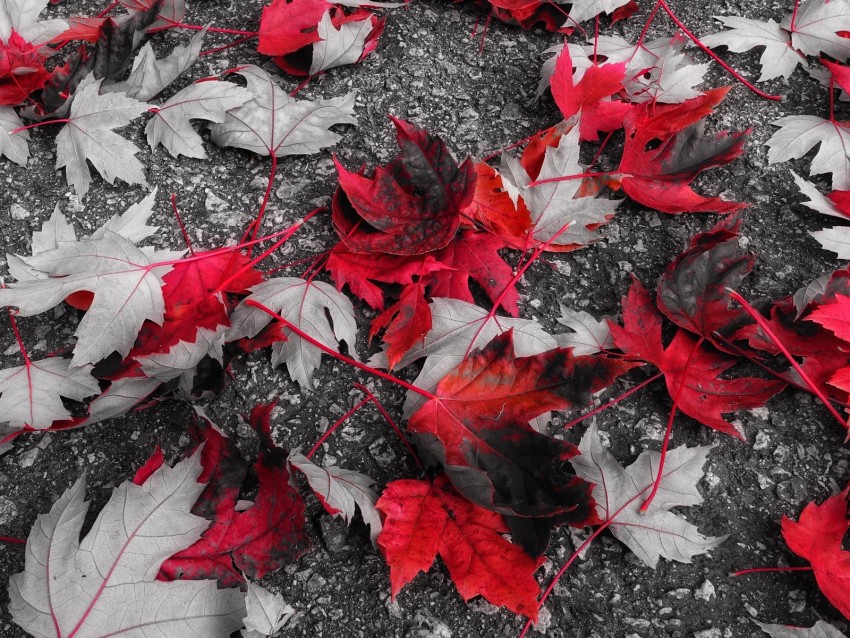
[[30, 395], [169, 12], [669, 78], [127, 289], [816, 28], [554, 205], [582, 10], [56, 232], [171, 125], [798, 134], [266, 613], [184, 356], [15, 146], [779, 59], [303, 303], [340, 490], [89, 137], [106, 585], [820, 629], [589, 335], [834, 238], [458, 328], [150, 76], [275, 123], [620, 492], [22, 16], [119, 398], [338, 47]]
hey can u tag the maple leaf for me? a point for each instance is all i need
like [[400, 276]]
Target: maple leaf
[[88, 136], [424, 520], [21, 70], [583, 10], [817, 537], [126, 284], [288, 25], [557, 204], [208, 100], [820, 629], [13, 146], [166, 12], [150, 76], [798, 134], [588, 335], [304, 304], [273, 123], [341, 491], [692, 292], [779, 58], [262, 538], [22, 17], [477, 427], [834, 316], [410, 207], [657, 532], [817, 28], [105, 585], [692, 371], [457, 329], [589, 98], [30, 394], [494, 208], [343, 39], [266, 612], [660, 177], [835, 238], [666, 74]]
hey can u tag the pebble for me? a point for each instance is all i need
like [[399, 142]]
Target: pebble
[[709, 633], [706, 591], [680, 593], [792, 490], [334, 533], [28, 458], [316, 584], [18, 211], [428, 627], [762, 441], [8, 510]]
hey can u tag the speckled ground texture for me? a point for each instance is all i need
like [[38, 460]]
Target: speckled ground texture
[[428, 70]]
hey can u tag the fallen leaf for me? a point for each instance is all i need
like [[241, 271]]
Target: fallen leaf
[[424, 520], [275, 124], [340, 490], [105, 584], [820, 629], [818, 27], [779, 59], [409, 207], [89, 137], [15, 146], [817, 537], [620, 492], [304, 304], [588, 335], [798, 134], [266, 612]]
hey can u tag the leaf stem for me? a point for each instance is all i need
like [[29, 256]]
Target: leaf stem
[[338, 423], [666, 443], [392, 423], [338, 355], [63, 120], [614, 401], [181, 224], [229, 45], [564, 178], [763, 325], [760, 570], [715, 57], [198, 27], [13, 539]]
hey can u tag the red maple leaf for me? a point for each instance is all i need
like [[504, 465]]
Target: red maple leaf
[[256, 541], [588, 98], [477, 426], [528, 13], [692, 291], [288, 25], [426, 519], [409, 207], [494, 209], [665, 150], [817, 536], [21, 70], [691, 369]]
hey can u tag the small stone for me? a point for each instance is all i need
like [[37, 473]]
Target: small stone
[[544, 621], [680, 593], [428, 627], [8, 510], [28, 458], [394, 609], [709, 633], [706, 591], [752, 611], [334, 533], [18, 211], [792, 490], [316, 584], [762, 441], [797, 601], [511, 111]]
